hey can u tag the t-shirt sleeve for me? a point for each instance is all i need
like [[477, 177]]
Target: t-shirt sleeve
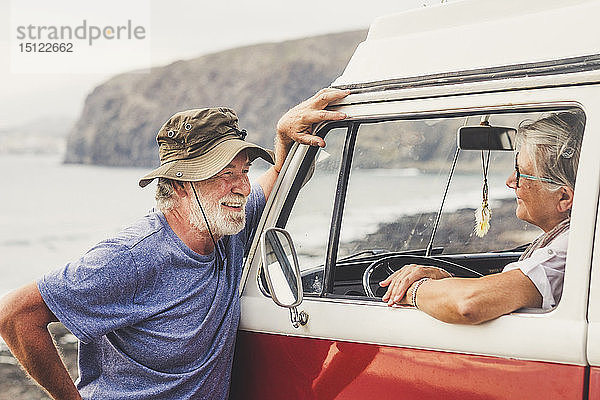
[[254, 208], [546, 269], [95, 294]]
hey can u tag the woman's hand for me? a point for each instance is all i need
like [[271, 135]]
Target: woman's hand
[[400, 281]]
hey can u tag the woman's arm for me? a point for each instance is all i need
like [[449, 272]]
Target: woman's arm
[[475, 300]]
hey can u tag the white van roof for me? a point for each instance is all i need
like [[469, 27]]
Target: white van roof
[[493, 36]]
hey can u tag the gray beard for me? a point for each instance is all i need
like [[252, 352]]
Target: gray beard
[[221, 222]]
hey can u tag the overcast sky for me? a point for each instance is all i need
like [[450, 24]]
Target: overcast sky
[[180, 29]]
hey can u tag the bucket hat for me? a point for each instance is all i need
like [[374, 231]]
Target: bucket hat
[[194, 145]]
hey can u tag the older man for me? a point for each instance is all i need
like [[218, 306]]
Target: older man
[[156, 307]]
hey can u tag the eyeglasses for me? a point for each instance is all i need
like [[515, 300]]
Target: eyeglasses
[[530, 177]]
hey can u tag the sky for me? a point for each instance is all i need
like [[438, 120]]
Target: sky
[[176, 29]]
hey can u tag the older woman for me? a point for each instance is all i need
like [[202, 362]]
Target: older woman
[[544, 182]]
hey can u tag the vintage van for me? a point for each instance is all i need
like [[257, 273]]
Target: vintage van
[[393, 187]]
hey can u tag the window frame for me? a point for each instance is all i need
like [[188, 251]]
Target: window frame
[[353, 127]]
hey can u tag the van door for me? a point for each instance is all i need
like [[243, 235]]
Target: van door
[[375, 190]]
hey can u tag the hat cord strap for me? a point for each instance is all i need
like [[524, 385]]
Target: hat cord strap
[[220, 262]]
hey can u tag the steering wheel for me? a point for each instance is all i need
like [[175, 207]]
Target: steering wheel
[[403, 259]]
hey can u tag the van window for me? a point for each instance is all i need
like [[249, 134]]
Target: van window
[[310, 219], [398, 175], [396, 186]]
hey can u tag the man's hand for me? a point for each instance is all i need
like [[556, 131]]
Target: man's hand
[[400, 281], [296, 124]]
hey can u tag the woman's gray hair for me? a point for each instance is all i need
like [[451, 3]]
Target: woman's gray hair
[[554, 143], [164, 194]]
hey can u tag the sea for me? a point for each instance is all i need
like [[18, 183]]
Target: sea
[[52, 212]]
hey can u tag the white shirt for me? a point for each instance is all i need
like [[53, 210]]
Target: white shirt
[[546, 269]]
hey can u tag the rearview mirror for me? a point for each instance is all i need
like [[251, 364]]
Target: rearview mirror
[[280, 264], [486, 137]]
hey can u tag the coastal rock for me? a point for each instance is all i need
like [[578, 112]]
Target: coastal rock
[[120, 118]]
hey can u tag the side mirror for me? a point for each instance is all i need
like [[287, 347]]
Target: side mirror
[[282, 273], [486, 137], [280, 264]]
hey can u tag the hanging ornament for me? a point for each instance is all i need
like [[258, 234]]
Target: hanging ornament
[[482, 219], [483, 214]]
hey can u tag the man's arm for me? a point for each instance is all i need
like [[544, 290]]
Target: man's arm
[[24, 319], [296, 126]]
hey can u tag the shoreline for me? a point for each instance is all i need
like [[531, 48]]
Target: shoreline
[[506, 232]]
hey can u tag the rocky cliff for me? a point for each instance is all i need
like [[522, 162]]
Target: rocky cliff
[[120, 118]]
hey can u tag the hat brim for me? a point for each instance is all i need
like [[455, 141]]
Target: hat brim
[[208, 164]]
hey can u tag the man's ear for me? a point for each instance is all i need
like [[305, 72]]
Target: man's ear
[[566, 199], [179, 188]]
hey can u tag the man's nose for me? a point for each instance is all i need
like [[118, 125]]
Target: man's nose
[[242, 185], [511, 182]]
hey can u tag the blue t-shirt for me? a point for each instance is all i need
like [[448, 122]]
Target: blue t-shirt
[[155, 320]]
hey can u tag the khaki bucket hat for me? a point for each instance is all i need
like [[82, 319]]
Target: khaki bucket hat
[[194, 145]]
